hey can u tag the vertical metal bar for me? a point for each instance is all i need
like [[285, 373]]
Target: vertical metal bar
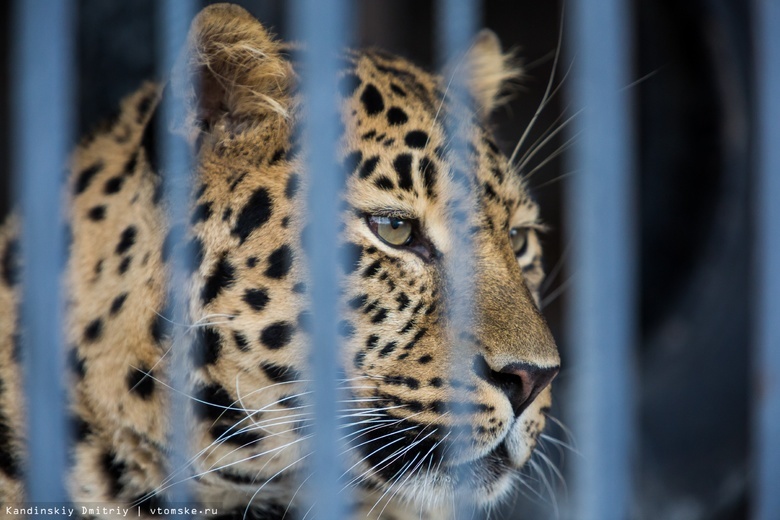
[[321, 24], [766, 447], [42, 112], [174, 17], [457, 23], [602, 315], [456, 26]]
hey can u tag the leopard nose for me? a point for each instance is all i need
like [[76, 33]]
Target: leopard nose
[[522, 382]]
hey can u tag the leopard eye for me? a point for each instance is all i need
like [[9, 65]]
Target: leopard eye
[[394, 231], [519, 239]]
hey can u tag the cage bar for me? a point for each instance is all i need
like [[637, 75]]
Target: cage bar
[[42, 115], [766, 437], [173, 20], [601, 322], [456, 25], [322, 25]]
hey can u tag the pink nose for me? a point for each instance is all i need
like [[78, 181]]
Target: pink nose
[[522, 382]]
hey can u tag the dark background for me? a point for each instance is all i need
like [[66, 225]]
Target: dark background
[[692, 122]]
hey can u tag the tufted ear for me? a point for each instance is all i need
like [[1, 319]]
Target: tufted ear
[[490, 70], [230, 70]]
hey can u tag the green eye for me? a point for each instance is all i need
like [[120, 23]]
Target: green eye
[[519, 239], [394, 231]]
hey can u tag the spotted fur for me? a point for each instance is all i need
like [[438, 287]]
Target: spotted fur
[[247, 325]]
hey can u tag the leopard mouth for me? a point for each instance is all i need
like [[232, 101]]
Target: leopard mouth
[[484, 472], [480, 481]]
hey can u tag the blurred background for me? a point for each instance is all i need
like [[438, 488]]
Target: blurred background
[[692, 125]]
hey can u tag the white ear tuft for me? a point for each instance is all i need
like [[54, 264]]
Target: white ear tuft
[[490, 70]]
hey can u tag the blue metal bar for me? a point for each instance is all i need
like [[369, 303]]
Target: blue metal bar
[[766, 447], [42, 115], [321, 24], [602, 315], [457, 22], [174, 17]]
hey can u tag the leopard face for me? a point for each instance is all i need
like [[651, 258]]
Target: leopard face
[[411, 417]]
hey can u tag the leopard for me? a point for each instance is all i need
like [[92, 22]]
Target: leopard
[[247, 297]]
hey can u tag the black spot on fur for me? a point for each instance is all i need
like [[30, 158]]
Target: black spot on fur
[[398, 90], [372, 269], [388, 349], [403, 167], [86, 176], [251, 262], [424, 360], [241, 342], [384, 183], [380, 316], [143, 106], [194, 254], [416, 139], [428, 172], [352, 161], [254, 214], [80, 429], [348, 84], [349, 256], [10, 263], [159, 327], [76, 363], [403, 301], [124, 265], [276, 335], [372, 341], [417, 337], [206, 347], [127, 240], [9, 462], [368, 167], [236, 180], [202, 213], [280, 373], [114, 469], [256, 298], [372, 100], [359, 359], [113, 185], [498, 175], [279, 262], [276, 157], [358, 301], [234, 435], [139, 382], [117, 304], [345, 329], [410, 382], [93, 331], [131, 163], [97, 213], [291, 188], [221, 277], [215, 402], [396, 116]]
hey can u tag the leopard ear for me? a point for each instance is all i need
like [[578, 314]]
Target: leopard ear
[[231, 70], [490, 71]]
